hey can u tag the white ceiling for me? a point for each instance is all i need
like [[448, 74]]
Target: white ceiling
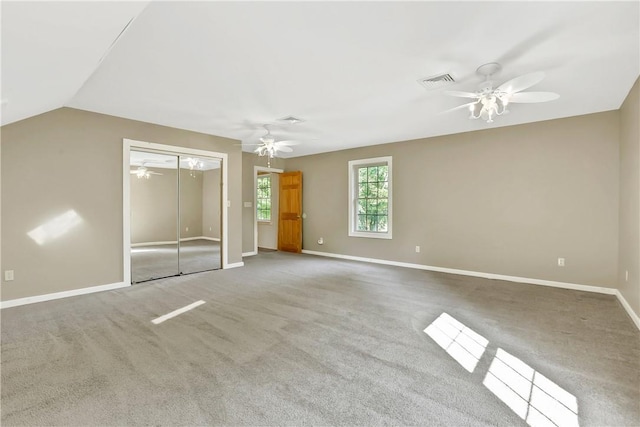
[[349, 69]]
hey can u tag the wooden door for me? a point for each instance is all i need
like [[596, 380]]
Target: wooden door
[[290, 213]]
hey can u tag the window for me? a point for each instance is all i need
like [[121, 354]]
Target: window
[[263, 198], [370, 198]]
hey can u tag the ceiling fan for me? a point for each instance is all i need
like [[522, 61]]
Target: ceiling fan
[[143, 172], [490, 101], [269, 146]]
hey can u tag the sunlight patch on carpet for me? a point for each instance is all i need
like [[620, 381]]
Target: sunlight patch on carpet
[[176, 312], [532, 396], [460, 342]]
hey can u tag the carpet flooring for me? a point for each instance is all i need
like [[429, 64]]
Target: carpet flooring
[[302, 340], [158, 261]]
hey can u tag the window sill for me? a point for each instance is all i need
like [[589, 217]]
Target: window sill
[[370, 235]]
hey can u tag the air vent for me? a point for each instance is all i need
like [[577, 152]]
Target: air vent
[[437, 82], [291, 120]]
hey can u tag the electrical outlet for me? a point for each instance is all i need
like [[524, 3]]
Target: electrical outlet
[[321, 241], [209, 228], [186, 229], [417, 249], [8, 275], [560, 262]]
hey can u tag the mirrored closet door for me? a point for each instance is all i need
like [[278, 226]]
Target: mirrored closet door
[[154, 215], [175, 215], [199, 214]]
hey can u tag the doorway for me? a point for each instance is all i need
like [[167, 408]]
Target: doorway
[[266, 203], [174, 202]]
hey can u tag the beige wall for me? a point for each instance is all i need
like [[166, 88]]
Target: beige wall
[[506, 201], [268, 231], [211, 198], [72, 159], [249, 160], [154, 207], [630, 199]]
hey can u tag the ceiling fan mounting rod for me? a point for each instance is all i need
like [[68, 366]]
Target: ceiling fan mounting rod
[[489, 69]]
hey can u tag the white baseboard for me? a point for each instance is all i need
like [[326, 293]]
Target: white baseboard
[[551, 283], [174, 242], [64, 294], [252, 253], [628, 308], [189, 239], [565, 285], [234, 265], [135, 245]]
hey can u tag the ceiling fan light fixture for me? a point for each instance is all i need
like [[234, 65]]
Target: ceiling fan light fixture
[[142, 172], [488, 106], [195, 163]]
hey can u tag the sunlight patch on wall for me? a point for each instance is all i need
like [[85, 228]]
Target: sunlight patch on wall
[[532, 396], [459, 341], [55, 227]]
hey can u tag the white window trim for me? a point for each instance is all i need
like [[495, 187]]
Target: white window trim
[[353, 198]]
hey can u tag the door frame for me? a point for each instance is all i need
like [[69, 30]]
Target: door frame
[[127, 145], [257, 169]]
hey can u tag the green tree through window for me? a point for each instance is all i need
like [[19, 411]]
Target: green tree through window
[[263, 198], [373, 198]]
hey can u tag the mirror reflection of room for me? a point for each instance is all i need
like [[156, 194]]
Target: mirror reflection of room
[[154, 216], [200, 200], [175, 217]]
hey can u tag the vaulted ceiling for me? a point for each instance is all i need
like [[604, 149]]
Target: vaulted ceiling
[[350, 70]]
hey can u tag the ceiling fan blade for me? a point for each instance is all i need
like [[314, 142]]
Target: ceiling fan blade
[[287, 143], [521, 83], [154, 173], [532, 97], [459, 107], [284, 149], [461, 94]]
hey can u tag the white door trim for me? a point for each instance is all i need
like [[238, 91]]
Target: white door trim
[[127, 144], [257, 169]]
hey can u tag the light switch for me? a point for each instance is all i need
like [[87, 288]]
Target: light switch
[[248, 204]]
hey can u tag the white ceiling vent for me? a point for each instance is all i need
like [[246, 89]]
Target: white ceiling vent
[[437, 82], [291, 120]]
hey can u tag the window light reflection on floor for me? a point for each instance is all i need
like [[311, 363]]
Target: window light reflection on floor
[[532, 396], [460, 342]]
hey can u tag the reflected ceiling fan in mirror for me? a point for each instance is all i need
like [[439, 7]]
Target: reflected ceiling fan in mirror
[[490, 101], [143, 172]]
